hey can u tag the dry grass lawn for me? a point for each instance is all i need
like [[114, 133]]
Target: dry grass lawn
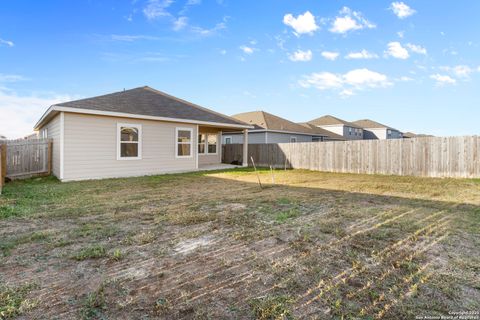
[[216, 246]]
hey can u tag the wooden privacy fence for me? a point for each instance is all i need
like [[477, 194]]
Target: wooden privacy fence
[[26, 158], [457, 157]]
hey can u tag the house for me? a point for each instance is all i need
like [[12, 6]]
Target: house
[[269, 128], [136, 132], [328, 135], [373, 130], [348, 130], [411, 135]]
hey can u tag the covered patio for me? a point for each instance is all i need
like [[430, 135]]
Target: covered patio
[[209, 148]]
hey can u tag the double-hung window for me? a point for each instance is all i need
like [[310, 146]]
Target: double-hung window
[[129, 141], [207, 143], [183, 142], [212, 143]]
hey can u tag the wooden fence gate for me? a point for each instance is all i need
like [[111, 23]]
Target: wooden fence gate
[[26, 158]]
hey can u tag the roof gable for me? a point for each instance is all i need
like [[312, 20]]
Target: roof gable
[[370, 124], [329, 120], [268, 121]]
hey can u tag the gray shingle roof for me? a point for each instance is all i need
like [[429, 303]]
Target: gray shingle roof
[[370, 124], [331, 120], [146, 101], [265, 120]]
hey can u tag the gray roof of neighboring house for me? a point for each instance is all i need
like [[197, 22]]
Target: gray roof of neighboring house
[[2, 137], [323, 132], [370, 124], [146, 101], [264, 120], [331, 120]]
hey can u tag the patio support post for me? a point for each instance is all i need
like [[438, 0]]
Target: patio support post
[[245, 148]]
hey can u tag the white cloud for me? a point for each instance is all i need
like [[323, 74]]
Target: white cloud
[[6, 43], [442, 80], [417, 48], [247, 50], [11, 78], [131, 38], [346, 84], [460, 71], [401, 10], [396, 50], [223, 52], [406, 79], [19, 113], [156, 9], [303, 24], [349, 20], [364, 54], [330, 55], [212, 31], [300, 55], [401, 34], [180, 23]]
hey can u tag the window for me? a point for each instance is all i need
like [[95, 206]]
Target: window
[[129, 141], [350, 131], [228, 140], [212, 143], [293, 139], [44, 133], [183, 142], [202, 139], [317, 139]]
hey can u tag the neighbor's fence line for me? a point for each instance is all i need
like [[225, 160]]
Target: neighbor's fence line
[[457, 157], [28, 157]]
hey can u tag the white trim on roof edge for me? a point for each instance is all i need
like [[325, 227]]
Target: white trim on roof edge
[[133, 116]]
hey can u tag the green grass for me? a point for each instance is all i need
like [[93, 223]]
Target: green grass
[[13, 300], [94, 305], [272, 308], [339, 245], [7, 245], [91, 252]]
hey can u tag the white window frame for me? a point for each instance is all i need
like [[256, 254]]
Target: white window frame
[[293, 139], [45, 133], [191, 142], [225, 139], [119, 142], [206, 144]]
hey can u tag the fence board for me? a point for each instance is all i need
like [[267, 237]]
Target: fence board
[[457, 157], [28, 157]]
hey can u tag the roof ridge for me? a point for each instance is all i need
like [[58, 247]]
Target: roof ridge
[[188, 102]]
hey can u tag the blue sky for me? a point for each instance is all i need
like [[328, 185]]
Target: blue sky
[[414, 65]]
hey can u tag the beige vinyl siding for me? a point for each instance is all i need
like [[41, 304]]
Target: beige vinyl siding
[[204, 159], [53, 132], [90, 148]]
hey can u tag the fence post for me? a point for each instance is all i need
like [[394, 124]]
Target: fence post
[[49, 153], [3, 165]]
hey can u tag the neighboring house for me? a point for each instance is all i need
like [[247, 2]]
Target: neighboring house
[[348, 130], [410, 135], [135, 132], [328, 135], [373, 130], [269, 128], [2, 137]]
